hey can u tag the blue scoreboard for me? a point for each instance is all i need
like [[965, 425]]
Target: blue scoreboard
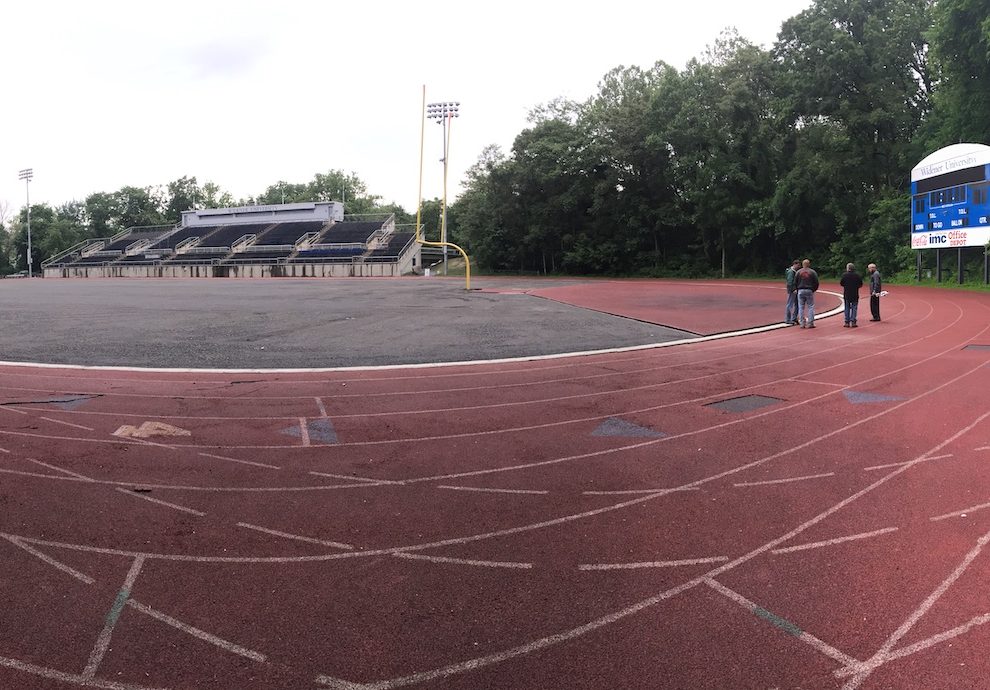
[[950, 204]]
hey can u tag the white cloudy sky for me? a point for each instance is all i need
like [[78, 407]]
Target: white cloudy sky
[[108, 93]]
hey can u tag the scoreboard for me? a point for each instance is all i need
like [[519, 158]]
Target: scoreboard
[[950, 198]]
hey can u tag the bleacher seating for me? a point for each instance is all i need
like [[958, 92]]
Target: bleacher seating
[[328, 253], [350, 231], [92, 261], [129, 239], [258, 255], [224, 235], [201, 255], [174, 239], [396, 243], [288, 233]]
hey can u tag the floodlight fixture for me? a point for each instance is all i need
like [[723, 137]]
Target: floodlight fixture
[[444, 112], [27, 174]]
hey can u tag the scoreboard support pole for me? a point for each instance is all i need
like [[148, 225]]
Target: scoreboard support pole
[[919, 265], [938, 265], [986, 266]]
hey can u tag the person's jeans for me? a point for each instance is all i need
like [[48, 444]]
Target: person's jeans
[[791, 314], [806, 307], [851, 308]]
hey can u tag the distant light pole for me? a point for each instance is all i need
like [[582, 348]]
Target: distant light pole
[[27, 174], [444, 113]]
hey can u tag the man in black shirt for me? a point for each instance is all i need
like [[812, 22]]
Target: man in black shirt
[[851, 282]]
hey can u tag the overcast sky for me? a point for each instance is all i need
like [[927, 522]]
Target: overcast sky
[[102, 94]]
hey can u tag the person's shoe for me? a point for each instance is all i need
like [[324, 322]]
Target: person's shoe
[[803, 326], [874, 319], [854, 326], [811, 326], [845, 325]]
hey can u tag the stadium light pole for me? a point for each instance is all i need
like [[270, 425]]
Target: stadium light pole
[[444, 113], [27, 174]]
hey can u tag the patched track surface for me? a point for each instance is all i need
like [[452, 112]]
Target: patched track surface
[[579, 522]]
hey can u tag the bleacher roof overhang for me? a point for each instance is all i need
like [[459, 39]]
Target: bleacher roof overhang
[[270, 213]]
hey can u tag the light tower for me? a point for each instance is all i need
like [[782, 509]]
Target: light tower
[[27, 174], [444, 113]]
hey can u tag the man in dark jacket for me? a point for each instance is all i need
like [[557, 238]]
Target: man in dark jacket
[[851, 282], [807, 284], [790, 278], [875, 287]]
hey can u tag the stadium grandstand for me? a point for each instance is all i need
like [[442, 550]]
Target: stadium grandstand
[[312, 239]]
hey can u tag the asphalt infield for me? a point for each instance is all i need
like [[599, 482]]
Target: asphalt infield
[[276, 323]]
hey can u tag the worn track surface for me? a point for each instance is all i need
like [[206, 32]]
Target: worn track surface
[[783, 509]]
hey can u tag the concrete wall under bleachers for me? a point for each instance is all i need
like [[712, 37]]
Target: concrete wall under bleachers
[[406, 265]]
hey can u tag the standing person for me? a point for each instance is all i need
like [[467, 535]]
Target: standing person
[[851, 282], [875, 286], [790, 277], [806, 281]]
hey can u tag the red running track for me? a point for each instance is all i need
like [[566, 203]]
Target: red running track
[[575, 522]]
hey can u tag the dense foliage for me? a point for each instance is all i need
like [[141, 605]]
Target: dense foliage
[[745, 159], [736, 164]]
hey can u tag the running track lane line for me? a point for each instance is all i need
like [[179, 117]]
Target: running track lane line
[[521, 528], [544, 642], [426, 365], [147, 610]]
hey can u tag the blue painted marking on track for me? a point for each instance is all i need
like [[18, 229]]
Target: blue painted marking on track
[[858, 398], [320, 431], [613, 426], [70, 404]]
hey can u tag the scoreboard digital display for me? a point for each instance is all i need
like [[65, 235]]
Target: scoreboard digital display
[[950, 198]]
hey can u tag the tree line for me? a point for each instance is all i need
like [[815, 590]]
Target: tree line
[[738, 163], [745, 159]]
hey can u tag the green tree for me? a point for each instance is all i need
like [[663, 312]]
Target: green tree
[[960, 46]]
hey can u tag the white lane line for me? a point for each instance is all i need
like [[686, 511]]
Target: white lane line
[[837, 540], [240, 462], [196, 632], [103, 641], [304, 431], [900, 464], [798, 379], [425, 365], [70, 678], [866, 668], [577, 516], [51, 561], [62, 470], [463, 561], [964, 511], [364, 480], [4, 450], [626, 492], [652, 564], [786, 481], [494, 491], [321, 407], [982, 448], [286, 535], [59, 421], [173, 506], [209, 489], [147, 610], [806, 637], [933, 640], [11, 409]]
